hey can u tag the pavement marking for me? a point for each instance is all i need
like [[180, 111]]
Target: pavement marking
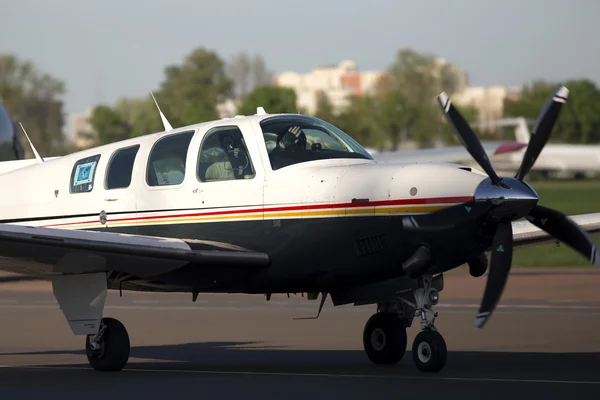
[[460, 308], [526, 306], [314, 375]]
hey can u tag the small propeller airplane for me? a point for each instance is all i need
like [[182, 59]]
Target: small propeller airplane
[[274, 203]]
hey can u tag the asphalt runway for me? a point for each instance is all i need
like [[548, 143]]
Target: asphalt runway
[[543, 341]]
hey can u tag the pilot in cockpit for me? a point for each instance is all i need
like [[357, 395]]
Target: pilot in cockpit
[[292, 139]]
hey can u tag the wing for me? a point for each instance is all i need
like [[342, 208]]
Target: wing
[[48, 252], [454, 154], [525, 233]]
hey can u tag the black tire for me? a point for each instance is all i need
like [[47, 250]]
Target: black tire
[[429, 351], [113, 353], [384, 338]]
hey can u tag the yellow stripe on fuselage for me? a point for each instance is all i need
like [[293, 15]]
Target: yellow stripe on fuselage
[[367, 211]]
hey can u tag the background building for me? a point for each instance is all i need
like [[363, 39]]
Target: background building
[[79, 125], [336, 81], [489, 101]]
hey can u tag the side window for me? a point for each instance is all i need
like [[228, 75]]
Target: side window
[[120, 168], [82, 176], [224, 156], [166, 164]]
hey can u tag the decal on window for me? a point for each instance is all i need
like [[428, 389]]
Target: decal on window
[[84, 173]]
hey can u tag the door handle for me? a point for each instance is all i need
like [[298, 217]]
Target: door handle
[[111, 199]]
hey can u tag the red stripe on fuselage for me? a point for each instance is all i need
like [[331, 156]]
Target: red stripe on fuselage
[[381, 203]]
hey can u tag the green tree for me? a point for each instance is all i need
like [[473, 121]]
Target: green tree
[[108, 126], [358, 118], [361, 119], [191, 91], [34, 98], [140, 114], [248, 73], [407, 96], [274, 100], [325, 110], [579, 121]]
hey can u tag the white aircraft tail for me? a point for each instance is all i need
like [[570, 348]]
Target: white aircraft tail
[[522, 133]]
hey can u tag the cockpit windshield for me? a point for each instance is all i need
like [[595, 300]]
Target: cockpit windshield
[[293, 139]]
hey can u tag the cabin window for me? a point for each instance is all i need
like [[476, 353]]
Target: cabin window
[[82, 176], [166, 164], [224, 156], [120, 168]]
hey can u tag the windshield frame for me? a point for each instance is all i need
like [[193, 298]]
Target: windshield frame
[[355, 150]]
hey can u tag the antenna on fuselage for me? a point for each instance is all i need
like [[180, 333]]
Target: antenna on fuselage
[[164, 119], [39, 158]]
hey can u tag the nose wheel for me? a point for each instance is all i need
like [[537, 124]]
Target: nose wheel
[[429, 351]]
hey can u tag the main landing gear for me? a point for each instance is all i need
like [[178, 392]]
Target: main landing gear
[[384, 337], [108, 350]]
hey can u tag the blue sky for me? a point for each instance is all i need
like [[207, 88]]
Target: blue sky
[[107, 49]]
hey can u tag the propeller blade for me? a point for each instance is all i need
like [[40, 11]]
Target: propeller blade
[[564, 229], [447, 218], [499, 269], [467, 137], [542, 129]]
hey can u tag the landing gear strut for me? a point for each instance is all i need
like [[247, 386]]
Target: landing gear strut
[[108, 350], [384, 337]]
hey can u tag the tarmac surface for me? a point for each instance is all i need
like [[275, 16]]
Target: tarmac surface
[[543, 341]]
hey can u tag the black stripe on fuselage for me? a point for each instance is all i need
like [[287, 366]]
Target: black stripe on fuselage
[[52, 217]]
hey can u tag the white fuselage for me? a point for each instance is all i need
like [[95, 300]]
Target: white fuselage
[[40, 194], [309, 217]]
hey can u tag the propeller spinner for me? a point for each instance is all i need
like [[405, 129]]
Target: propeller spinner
[[510, 199]]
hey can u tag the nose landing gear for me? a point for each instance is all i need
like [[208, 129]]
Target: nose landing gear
[[384, 336]]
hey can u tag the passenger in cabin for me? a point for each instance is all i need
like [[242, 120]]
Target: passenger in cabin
[[222, 169], [233, 160]]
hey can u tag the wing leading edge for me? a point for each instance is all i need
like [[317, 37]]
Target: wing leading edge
[[526, 233], [50, 252]]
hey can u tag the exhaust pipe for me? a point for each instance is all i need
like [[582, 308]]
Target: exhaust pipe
[[418, 263]]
